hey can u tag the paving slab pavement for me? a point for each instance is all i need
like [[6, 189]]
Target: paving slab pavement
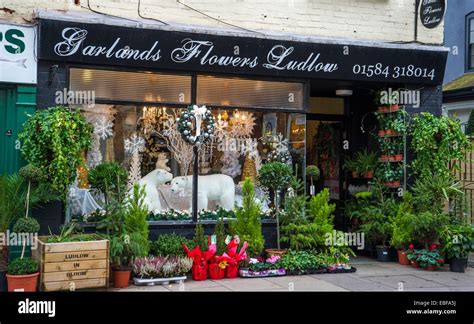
[[370, 276]]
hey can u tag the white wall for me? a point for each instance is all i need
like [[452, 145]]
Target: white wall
[[386, 20]]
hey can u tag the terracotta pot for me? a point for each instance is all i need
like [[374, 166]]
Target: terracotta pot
[[122, 278], [398, 157], [391, 158], [27, 283], [369, 174], [275, 252], [415, 264], [384, 157], [381, 133], [393, 184], [394, 107], [355, 174], [382, 109], [402, 258], [431, 267]]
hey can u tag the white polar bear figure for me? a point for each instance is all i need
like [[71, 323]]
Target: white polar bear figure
[[152, 181], [215, 187]]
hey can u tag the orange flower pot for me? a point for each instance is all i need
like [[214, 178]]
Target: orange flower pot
[[402, 258], [122, 278], [26, 283], [369, 174]]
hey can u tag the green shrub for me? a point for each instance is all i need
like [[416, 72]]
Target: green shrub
[[170, 244], [220, 237], [247, 225], [22, 266], [26, 225], [136, 217], [199, 238], [110, 178]]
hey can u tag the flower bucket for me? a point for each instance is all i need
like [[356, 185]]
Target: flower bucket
[[122, 278], [199, 272], [232, 271], [216, 272]]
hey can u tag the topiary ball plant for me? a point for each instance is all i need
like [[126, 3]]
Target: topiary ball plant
[[22, 267], [312, 171], [26, 225]]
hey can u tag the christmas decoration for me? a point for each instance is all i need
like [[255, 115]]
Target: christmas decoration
[[134, 143], [162, 162], [230, 163], [135, 172], [278, 150], [242, 124], [181, 150], [249, 169], [94, 156], [191, 121], [103, 127], [82, 174]]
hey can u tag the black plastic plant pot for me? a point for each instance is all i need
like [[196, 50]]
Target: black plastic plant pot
[[3, 281], [457, 265], [383, 253]]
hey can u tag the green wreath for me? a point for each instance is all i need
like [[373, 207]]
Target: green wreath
[[187, 124]]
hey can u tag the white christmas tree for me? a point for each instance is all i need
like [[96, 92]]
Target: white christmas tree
[[135, 172]]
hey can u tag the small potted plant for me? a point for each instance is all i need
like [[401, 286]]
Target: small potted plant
[[25, 226], [351, 166], [22, 275], [429, 259], [312, 171], [366, 163], [457, 243]]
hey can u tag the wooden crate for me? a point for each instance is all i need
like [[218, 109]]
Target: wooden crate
[[72, 265]]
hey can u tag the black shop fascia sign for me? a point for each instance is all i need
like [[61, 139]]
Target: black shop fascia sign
[[98, 44]]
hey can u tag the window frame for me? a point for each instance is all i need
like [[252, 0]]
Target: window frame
[[469, 66]]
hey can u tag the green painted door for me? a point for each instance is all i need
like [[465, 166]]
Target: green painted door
[[5, 102]]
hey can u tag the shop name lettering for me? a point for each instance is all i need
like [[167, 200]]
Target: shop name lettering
[[277, 58], [76, 256]]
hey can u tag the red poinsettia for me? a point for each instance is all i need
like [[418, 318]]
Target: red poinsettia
[[411, 246], [434, 246]]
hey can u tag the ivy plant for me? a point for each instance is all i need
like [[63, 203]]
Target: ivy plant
[[437, 140], [53, 140]]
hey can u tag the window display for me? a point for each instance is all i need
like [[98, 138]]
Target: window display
[[152, 142]]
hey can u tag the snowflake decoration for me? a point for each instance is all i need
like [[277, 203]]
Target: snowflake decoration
[[243, 123], [134, 144], [103, 127]]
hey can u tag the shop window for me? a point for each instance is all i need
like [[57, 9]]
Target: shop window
[[145, 137], [132, 86], [470, 42], [236, 92]]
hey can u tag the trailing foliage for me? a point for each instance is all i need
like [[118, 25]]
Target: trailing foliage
[[436, 141], [247, 225], [53, 140]]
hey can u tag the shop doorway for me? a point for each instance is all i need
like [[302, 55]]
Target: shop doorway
[[325, 135]]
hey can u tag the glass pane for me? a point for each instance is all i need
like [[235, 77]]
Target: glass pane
[[217, 91], [132, 86]]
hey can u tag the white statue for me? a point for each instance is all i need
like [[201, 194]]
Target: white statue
[[162, 162], [152, 181], [218, 188]]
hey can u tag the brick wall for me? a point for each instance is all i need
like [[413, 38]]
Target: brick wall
[[386, 20]]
